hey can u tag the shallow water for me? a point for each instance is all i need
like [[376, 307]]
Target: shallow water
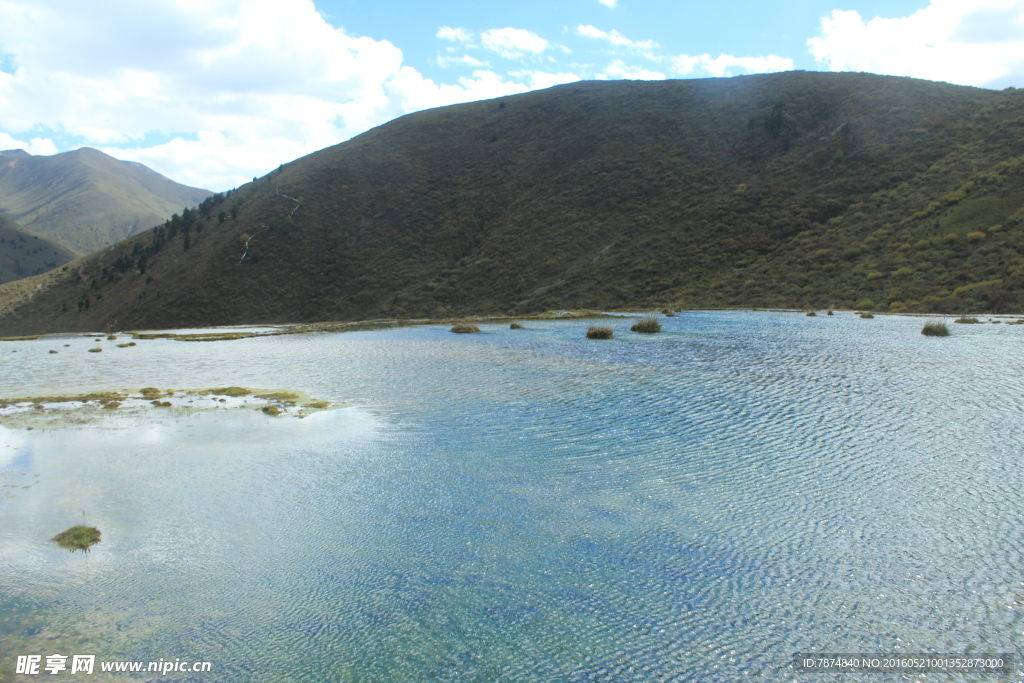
[[528, 505]]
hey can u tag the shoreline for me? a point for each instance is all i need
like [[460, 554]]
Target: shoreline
[[231, 332]]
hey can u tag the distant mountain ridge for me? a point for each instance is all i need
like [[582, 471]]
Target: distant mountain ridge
[[85, 199], [797, 190]]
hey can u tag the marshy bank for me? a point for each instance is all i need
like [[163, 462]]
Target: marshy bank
[[53, 411]]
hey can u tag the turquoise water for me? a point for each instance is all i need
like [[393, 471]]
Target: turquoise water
[[529, 505]]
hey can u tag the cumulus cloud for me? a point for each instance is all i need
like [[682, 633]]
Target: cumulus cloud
[[610, 4], [456, 35], [619, 69], [40, 146], [615, 38], [513, 43], [969, 43], [728, 65], [230, 89]]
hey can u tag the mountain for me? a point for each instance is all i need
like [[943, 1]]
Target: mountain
[[24, 253], [86, 199], [796, 189]]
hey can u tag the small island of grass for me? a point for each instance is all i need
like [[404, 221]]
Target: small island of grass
[[935, 329], [465, 328], [599, 332], [648, 325], [77, 538]]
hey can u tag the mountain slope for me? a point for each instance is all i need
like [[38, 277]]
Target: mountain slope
[[86, 199], [24, 253], [793, 189]]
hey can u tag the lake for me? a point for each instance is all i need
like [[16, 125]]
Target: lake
[[526, 505]]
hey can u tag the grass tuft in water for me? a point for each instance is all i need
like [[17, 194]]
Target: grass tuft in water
[[935, 329], [599, 332], [812, 314], [95, 350], [515, 326], [465, 328], [648, 325], [272, 411], [77, 538], [232, 391], [867, 315], [964, 320]]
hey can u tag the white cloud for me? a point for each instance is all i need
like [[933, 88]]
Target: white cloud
[[728, 65], [619, 69], [231, 88], [39, 146], [615, 38], [971, 43], [456, 35], [545, 79], [463, 60], [512, 43], [610, 4]]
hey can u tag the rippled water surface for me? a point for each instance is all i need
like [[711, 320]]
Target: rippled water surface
[[527, 505]]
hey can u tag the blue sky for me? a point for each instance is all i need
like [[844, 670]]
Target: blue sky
[[214, 92], [737, 27]]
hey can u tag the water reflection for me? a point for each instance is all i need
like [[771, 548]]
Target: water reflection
[[528, 505]]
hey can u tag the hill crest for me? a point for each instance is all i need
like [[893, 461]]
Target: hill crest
[[800, 190], [86, 199]]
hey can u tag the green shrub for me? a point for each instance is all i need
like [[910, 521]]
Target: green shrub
[[464, 328], [648, 325], [963, 320], [865, 304], [77, 538], [935, 329], [599, 332]]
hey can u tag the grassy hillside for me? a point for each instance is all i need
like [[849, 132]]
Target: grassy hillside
[[86, 199], [794, 189], [24, 253]]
